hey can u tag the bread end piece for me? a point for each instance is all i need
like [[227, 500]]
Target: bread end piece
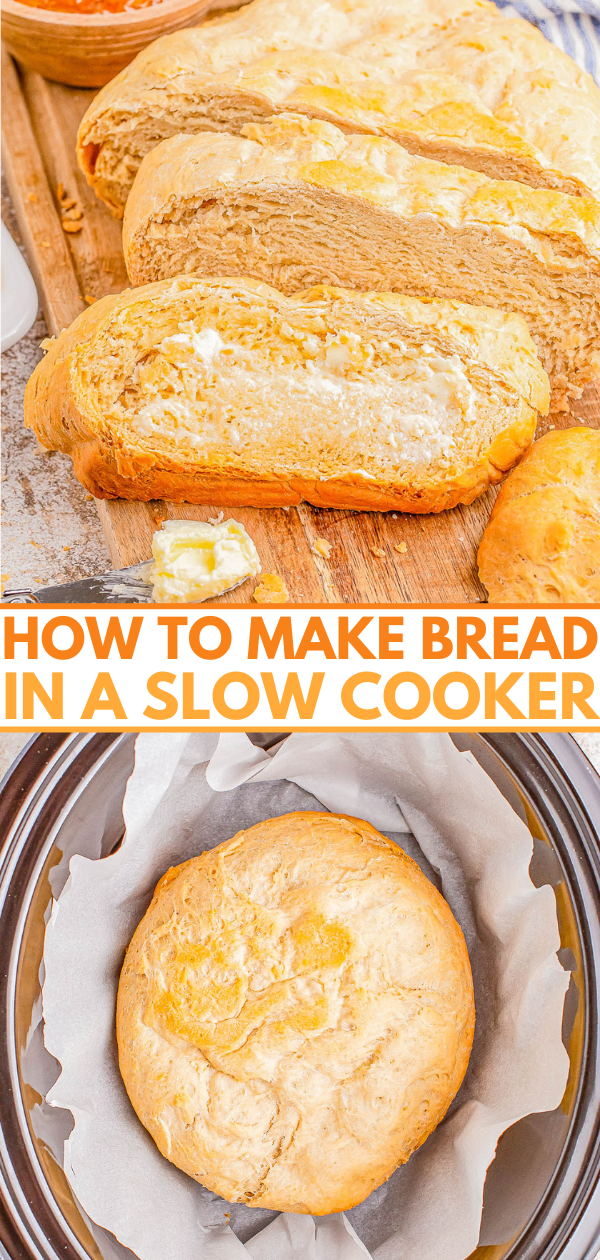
[[542, 542]]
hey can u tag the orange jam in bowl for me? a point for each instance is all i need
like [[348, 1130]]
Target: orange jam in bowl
[[90, 6]]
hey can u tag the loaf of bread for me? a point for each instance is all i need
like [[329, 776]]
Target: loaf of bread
[[542, 543], [298, 202], [454, 80], [227, 392], [295, 1013]]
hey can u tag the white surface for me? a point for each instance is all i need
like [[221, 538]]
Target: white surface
[[438, 805], [19, 294]]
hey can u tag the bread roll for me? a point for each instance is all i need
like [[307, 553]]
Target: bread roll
[[542, 543], [454, 80], [225, 391], [297, 203], [295, 1013]]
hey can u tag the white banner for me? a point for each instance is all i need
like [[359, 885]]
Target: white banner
[[389, 668]]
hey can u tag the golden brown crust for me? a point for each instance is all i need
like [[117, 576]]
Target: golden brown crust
[[454, 80], [290, 1031], [113, 461], [542, 543]]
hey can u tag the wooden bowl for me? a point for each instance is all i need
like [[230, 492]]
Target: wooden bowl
[[86, 50]]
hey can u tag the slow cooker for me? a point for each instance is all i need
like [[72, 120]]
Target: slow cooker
[[64, 795]]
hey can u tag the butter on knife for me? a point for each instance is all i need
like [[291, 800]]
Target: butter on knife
[[195, 560]]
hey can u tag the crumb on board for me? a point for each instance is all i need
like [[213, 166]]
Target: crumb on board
[[87, 297], [271, 590], [216, 520], [379, 552], [401, 547], [321, 547], [71, 213], [32, 197], [88, 498], [46, 244]]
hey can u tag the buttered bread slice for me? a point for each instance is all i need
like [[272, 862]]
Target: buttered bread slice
[[297, 203], [454, 80], [225, 391]]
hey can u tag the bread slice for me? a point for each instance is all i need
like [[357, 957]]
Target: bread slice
[[225, 391], [297, 203], [454, 80], [542, 543]]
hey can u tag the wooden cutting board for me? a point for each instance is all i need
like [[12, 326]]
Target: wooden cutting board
[[39, 125]]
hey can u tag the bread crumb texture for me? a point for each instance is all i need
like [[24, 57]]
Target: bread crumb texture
[[295, 1013], [227, 391], [271, 590], [542, 542]]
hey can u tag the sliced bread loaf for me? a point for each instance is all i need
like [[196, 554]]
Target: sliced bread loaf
[[298, 202], [454, 80], [225, 391]]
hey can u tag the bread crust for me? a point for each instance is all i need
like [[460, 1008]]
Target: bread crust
[[542, 542], [454, 80], [59, 408], [290, 149], [295, 1013]]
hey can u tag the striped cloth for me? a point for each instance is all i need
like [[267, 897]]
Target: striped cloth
[[572, 24]]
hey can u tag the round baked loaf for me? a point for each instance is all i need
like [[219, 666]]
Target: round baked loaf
[[295, 1013], [542, 541]]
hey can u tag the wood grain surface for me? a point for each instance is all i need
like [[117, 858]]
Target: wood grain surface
[[39, 123]]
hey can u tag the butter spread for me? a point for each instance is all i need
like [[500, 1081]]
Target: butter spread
[[205, 344], [408, 400], [194, 560]]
